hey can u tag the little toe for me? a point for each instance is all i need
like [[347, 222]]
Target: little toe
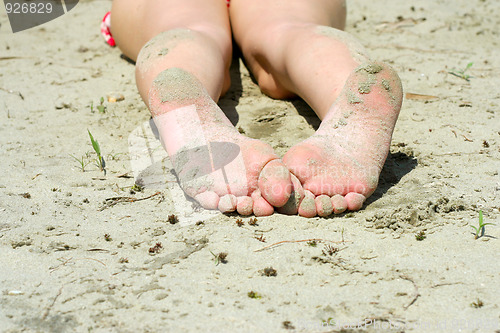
[[245, 205], [227, 203], [260, 205], [324, 205], [208, 199], [292, 205], [339, 204], [275, 183], [307, 207], [354, 200]]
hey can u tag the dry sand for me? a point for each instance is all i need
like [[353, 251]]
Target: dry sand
[[59, 273]]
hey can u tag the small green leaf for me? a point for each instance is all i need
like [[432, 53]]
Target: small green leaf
[[480, 227], [95, 144]]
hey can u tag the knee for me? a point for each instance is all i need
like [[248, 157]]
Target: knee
[[264, 48], [271, 87], [270, 34], [196, 39], [162, 44]]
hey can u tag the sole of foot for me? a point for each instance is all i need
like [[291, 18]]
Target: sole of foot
[[214, 163], [339, 166]]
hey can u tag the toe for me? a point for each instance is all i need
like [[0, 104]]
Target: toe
[[245, 205], [354, 200], [227, 203], [275, 184], [208, 199], [323, 205], [307, 207], [339, 204], [260, 206], [292, 205]]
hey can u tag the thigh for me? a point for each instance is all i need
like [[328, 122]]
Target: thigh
[[134, 22], [256, 14], [265, 29]]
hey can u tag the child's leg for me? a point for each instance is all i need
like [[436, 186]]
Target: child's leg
[[295, 48], [183, 50], [200, 39]]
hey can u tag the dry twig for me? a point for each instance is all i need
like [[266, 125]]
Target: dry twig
[[110, 202], [299, 241], [415, 296], [13, 92], [47, 311]]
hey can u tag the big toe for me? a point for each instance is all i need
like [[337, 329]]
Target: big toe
[[275, 183], [292, 205]]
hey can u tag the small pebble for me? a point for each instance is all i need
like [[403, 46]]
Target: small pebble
[[115, 97]]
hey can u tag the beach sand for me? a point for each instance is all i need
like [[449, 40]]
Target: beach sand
[[87, 252]]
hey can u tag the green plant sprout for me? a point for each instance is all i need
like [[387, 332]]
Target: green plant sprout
[[420, 236], [254, 295], [461, 73], [219, 258], [312, 243], [101, 164], [101, 106], [480, 229], [113, 156], [477, 304], [82, 163], [137, 188]]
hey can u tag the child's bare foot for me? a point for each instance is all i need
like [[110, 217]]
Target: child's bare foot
[[340, 164], [215, 164]]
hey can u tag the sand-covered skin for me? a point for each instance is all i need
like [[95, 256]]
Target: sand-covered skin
[[347, 153], [59, 273], [211, 158]]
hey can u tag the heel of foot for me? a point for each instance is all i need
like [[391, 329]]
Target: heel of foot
[[375, 76]]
